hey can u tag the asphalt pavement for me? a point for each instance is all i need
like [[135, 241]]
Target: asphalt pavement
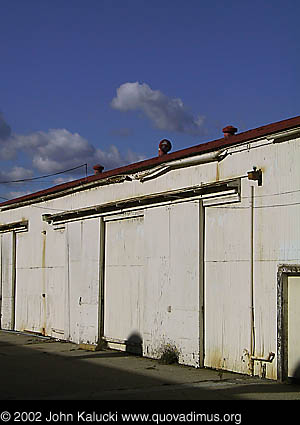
[[37, 368]]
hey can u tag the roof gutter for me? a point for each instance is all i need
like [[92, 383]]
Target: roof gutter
[[283, 135], [180, 163], [64, 192], [274, 133], [141, 176]]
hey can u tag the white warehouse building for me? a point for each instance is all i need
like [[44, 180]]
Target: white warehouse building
[[198, 250]]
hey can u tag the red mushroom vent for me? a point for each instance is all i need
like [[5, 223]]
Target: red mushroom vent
[[229, 131]]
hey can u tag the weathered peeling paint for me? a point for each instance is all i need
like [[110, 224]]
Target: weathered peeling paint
[[7, 281], [124, 281], [64, 264], [172, 280], [83, 281]]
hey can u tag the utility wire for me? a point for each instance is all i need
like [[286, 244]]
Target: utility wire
[[43, 177], [272, 194], [255, 207], [213, 206]]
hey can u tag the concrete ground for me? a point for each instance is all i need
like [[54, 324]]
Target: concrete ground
[[36, 368]]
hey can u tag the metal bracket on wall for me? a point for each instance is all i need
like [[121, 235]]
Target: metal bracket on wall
[[255, 175]]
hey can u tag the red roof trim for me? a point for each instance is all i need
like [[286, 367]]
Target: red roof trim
[[142, 165]]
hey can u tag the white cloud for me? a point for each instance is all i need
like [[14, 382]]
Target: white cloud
[[165, 113], [54, 150], [50, 152], [59, 149], [16, 173], [113, 158]]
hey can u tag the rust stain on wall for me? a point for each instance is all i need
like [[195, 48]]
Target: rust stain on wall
[[218, 173]]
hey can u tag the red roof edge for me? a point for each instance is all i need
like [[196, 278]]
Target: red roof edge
[[152, 162]]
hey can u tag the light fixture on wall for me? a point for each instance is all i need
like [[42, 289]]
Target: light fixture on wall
[[255, 175]]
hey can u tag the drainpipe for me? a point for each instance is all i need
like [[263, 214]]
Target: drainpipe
[[180, 163], [13, 294], [252, 342], [199, 159], [101, 343]]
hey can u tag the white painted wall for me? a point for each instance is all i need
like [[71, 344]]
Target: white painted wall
[[171, 314], [124, 282], [172, 240], [227, 287], [55, 262], [82, 286], [7, 280], [31, 282], [40, 283]]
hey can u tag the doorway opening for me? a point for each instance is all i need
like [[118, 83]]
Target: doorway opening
[[288, 322]]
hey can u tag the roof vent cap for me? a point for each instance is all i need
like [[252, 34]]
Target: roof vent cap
[[164, 147], [229, 131], [98, 168]]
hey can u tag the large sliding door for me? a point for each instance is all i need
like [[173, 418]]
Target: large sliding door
[[40, 282], [124, 283], [227, 288], [82, 281], [7, 286]]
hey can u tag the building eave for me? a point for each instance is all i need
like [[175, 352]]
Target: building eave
[[114, 176]]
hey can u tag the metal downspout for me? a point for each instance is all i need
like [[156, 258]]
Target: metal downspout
[[180, 163], [252, 342], [101, 305], [201, 283], [13, 295], [67, 289]]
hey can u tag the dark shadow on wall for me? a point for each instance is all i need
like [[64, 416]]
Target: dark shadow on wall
[[295, 378], [134, 344]]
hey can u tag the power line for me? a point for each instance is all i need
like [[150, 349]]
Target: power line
[[256, 207], [213, 206], [272, 194], [43, 177]]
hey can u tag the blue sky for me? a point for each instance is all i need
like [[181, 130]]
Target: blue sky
[[103, 81]]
